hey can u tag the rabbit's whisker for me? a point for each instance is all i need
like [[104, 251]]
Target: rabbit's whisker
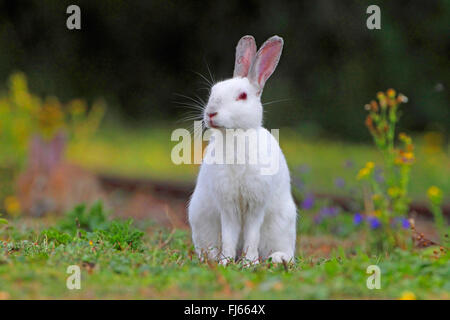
[[205, 88], [275, 101], [190, 118], [190, 98], [200, 99], [204, 78], [190, 106], [209, 71]]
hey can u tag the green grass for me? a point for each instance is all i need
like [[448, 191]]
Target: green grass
[[34, 261], [146, 153], [120, 260]]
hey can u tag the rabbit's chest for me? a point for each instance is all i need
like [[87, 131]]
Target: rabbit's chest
[[243, 186]]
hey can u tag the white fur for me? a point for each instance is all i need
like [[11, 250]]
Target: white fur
[[234, 208]]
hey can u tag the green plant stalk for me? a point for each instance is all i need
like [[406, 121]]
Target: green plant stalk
[[401, 203], [438, 220], [389, 152]]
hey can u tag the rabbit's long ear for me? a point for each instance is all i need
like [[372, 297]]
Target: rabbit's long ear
[[245, 53], [266, 61]]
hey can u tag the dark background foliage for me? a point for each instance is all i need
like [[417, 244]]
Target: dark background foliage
[[137, 54]]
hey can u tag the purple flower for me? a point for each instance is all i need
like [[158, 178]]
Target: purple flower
[[304, 168], [317, 219], [329, 211], [308, 201], [357, 218], [405, 223], [379, 175], [298, 183], [339, 183], [374, 223], [349, 164]]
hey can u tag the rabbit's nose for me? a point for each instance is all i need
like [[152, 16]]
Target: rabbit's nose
[[212, 114]]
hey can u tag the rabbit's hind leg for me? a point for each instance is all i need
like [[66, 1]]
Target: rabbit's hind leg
[[278, 233]]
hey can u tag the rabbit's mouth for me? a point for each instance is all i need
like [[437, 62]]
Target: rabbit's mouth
[[210, 123]]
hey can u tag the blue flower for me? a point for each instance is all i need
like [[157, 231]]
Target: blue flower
[[304, 168], [317, 219], [357, 218], [339, 183], [379, 175], [349, 164], [374, 223], [308, 202], [405, 223], [329, 211], [298, 183]]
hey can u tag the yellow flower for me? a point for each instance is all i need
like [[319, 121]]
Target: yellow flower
[[382, 98], [408, 155], [405, 138], [408, 295], [398, 161], [364, 172], [12, 205], [21, 131], [394, 192], [391, 93], [51, 117], [19, 90], [434, 194], [405, 157], [380, 95], [370, 165], [434, 191], [91, 243], [77, 107]]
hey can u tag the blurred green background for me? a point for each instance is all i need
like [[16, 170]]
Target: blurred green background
[[137, 54], [135, 57]]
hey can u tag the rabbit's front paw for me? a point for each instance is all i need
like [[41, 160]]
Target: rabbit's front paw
[[225, 261], [279, 257], [208, 254], [249, 263]]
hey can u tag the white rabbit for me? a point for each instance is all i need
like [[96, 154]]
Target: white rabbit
[[235, 208]]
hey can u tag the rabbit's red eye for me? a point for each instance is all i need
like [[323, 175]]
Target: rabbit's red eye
[[242, 96]]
